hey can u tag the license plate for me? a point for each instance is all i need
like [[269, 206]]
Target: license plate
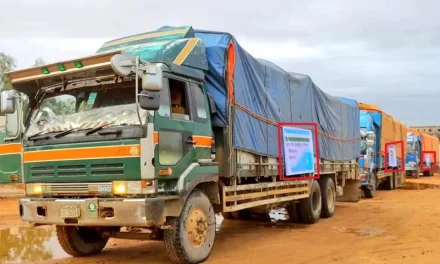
[[70, 211]]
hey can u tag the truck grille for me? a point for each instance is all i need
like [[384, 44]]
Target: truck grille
[[81, 189], [80, 170]]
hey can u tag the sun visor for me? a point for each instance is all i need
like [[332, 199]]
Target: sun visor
[[29, 80]]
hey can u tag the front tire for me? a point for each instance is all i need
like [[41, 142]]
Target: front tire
[[389, 183], [191, 238], [80, 241], [370, 190], [310, 208]]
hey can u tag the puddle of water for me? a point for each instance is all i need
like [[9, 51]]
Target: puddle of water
[[418, 186], [29, 245]]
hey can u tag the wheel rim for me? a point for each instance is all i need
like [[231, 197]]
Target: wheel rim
[[330, 196], [197, 227]]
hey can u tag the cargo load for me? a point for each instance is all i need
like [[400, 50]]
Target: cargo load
[[262, 94], [392, 130]]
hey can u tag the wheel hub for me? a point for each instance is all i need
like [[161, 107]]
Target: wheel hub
[[197, 227]]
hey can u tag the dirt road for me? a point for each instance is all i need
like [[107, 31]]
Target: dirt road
[[401, 226]]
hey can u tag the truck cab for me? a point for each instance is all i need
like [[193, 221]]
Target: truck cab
[[369, 149], [114, 141], [412, 164]]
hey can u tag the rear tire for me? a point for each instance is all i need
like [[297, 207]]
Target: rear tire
[[310, 208], [191, 238], [328, 193], [80, 241], [293, 211]]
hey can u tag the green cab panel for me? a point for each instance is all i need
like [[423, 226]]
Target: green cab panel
[[10, 160], [83, 162]]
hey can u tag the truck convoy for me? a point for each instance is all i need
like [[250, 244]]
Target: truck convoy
[[159, 131], [419, 143], [156, 132]]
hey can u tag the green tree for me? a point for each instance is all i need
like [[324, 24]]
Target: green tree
[[7, 63], [39, 61]]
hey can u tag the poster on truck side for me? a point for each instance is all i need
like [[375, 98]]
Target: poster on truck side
[[298, 151], [392, 156], [427, 160]]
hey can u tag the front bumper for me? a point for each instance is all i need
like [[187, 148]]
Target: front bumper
[[144, 212]]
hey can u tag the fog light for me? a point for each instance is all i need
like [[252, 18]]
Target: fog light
[[119, 188], [33, 189]]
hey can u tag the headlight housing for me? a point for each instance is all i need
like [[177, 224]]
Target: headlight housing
[[121, 188], [33, 189]]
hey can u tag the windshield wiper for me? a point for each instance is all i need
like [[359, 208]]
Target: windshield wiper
[[64, 133], [35, 137], [67, 132], [96, 129], [36, 134]]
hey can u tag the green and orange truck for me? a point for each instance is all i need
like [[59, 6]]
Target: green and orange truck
[[156, 132]]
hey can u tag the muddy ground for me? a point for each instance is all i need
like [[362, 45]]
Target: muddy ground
[[401, 226]]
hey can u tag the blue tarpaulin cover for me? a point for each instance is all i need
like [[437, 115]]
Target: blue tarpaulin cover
[[265, 94]]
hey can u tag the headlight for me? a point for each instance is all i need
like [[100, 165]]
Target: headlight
[[33, 189], [134, 187]]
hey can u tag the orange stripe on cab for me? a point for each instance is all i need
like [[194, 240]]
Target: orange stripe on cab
[[201, 141], [123, 151], [6, 149]]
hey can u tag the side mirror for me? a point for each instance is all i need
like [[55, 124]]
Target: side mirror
[[151, 73], [149, 100], [7, 105], [152, 77]]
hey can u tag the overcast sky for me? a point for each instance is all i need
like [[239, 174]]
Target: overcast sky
[[382, 52]]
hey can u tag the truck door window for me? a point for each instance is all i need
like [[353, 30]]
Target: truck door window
[[179, 100], [170, 147], [199, 107], [174, 100]]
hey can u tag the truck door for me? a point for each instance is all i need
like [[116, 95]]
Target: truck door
[[174, 128], [11, 146], [202, 122]]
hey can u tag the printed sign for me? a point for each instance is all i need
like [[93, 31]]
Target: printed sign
[[392, 156], [427, 160], [298, 151]]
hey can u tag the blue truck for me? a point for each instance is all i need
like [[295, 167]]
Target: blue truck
[[378, 128]]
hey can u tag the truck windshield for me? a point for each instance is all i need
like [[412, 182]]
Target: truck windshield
[[86, 108]]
